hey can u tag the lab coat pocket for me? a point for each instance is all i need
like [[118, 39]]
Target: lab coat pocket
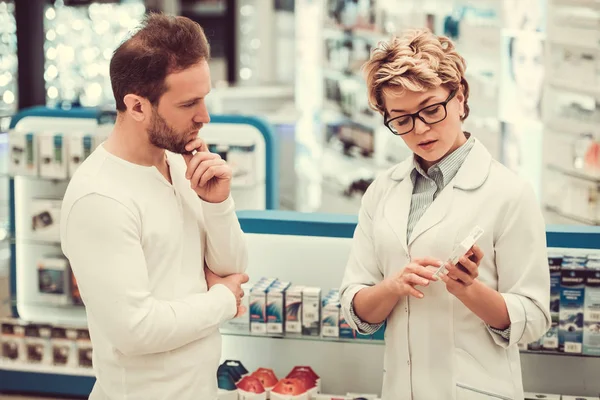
[[467, 392]]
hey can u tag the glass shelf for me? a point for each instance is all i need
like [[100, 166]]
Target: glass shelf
[[226, 332], [21, 240], [572, 217], [34, 177], [45, 369], [592, 176], [556, 353]]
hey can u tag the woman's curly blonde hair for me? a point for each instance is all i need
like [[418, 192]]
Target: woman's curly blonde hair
[[417, 61]]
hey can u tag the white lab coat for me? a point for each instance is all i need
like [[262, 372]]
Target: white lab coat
[[436, 348]]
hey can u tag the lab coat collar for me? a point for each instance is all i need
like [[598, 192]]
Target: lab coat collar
[[471, 175]]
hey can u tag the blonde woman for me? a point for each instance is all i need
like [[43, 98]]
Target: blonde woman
[[454, 337]]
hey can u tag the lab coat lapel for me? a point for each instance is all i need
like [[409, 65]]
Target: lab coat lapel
[[435, 213], [397, 207]]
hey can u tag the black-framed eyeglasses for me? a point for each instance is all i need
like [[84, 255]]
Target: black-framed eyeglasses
[[430, 115]]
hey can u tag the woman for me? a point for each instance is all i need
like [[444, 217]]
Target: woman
[[454, 337]]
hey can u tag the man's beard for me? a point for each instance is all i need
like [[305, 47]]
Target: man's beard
[[165, 137]]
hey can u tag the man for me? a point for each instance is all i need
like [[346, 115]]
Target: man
[[144, 215]]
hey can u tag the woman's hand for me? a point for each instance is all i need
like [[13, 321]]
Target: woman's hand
[[462, 275], [413, 274]]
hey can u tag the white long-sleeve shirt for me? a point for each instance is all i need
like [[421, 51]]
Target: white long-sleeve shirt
[[137, 246]]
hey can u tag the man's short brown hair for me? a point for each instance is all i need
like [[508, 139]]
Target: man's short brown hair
[[162, 45]]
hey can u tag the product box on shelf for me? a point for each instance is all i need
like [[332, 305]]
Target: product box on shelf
[[572, 291], [23, 153], [13, 340], [84, 348], [53, 155], [45, 219], [591, 318], [37, 344], [81, 145], [64, 348], [267, 378], [311, 317], [330, 315], [293, 310], [555, 263], [538, 396], [54, 279], [309, 376], [241, 323], [290, 389], [75, 295], [258, 305], [276, 307], [250, 388], [550, 339], [362, 396]]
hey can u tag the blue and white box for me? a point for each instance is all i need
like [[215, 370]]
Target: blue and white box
[[330, 315], [591, 318], [276, 307], [572, 292], [258, 306], [555, 263], [293, 310]]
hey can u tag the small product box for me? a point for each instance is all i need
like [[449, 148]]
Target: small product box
[[12, 341], [311, 316], [276, 307], [241, 323], [346, 330], [53, 155], [81, 145], [544, 396], [293, 310], [555, 263], [45, 219], [380, 333], [591, 318], [64, 347], [572, 292], [258, 306], [84, 348], [54, 280], [23, 150], [37, 344], [330, 316], [550, 339]]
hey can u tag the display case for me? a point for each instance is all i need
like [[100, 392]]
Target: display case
[[315, 248], [8, 63], [571, 169]]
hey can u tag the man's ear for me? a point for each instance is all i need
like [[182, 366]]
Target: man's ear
[[137, 107]]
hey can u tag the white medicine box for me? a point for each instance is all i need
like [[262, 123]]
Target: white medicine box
[[53, 155], [45, 219], [81, 145], [23, 153]]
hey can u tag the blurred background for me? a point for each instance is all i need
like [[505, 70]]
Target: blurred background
[[533, 67]]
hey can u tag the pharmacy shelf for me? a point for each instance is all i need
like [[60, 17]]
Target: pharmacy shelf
[[576, 3], [592, 176], [591, 90], [305, 338], [555, 353], [563, 125], [577, 218], [45, 380]]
